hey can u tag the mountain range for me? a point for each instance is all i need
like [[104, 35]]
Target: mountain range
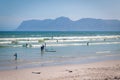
[[66, 24]]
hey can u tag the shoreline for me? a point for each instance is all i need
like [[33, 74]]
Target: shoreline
[[77, 61], [104, 70]]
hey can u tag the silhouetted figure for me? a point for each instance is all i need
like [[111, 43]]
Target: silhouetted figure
[[42, 47], [26, 45], [104, 39], [15, 56], [42, 50], [87, 43]]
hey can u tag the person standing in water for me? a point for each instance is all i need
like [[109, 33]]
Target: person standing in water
[[42, 47], [42, 50], [87, 43], [15, 56]]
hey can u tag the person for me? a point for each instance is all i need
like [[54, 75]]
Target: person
[[15, 56], [42, 50], [87, 43], [104, 39], [26, 45], [42, 47]]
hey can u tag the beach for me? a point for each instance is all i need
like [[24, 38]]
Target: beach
[[66, 55], [105, 70]]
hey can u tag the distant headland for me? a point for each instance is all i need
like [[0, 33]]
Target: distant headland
[[65, 24]]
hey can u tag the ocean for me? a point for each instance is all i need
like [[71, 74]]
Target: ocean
[[61, 47]]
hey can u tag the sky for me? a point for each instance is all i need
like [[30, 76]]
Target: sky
[[13, 12]]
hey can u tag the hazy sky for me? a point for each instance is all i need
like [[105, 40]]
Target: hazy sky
[[13, 12]]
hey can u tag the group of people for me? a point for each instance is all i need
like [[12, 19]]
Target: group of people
[[42, 49]]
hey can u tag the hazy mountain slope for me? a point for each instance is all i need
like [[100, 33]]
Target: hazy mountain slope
[[65, 24]]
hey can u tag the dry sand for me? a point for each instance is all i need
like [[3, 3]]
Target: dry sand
[[107, 70]]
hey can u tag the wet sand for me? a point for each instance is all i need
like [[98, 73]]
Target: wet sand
[[107, 70]]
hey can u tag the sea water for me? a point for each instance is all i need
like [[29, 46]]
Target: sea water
[[62, 47]]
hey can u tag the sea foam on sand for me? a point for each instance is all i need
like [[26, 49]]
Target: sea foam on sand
[[107, 70]]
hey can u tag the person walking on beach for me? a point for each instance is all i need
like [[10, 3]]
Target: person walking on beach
[[15, 56]]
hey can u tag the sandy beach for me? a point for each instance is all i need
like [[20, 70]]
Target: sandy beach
[[107, 70]]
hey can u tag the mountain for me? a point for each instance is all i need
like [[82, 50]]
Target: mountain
[[65, 24]]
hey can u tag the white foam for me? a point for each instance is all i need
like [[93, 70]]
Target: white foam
[[67, 44], [17, 45], [100, 43], [5, 42], [65, 38], [62, 41], [88, 37], [76, 44], [28, 41], [102, 52]]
